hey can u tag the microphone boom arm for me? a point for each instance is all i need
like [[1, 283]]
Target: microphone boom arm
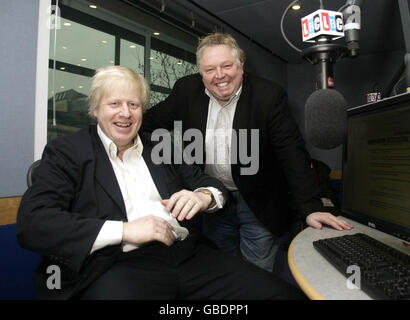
[[323, 56]]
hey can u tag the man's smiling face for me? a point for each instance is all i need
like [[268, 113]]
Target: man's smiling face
[[119, 115], [221, 71]]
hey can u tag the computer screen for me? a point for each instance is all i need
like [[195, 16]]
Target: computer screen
[[376, 165]]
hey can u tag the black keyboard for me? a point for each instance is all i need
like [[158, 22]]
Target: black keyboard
[[384, 271]]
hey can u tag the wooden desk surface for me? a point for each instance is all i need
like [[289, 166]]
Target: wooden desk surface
[[316, 276]]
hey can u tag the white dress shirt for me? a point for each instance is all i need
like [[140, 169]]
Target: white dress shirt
[[140, 195], [218, 139]]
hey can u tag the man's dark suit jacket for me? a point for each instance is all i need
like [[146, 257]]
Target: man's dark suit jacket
[[284, 163], [74, 192]]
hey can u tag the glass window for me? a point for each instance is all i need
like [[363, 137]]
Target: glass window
[[166, 69], [156, 97], [132, 56], [71, 107], [79, 51], [82, 46]]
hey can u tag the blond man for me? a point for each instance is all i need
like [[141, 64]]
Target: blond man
[[108, 219]]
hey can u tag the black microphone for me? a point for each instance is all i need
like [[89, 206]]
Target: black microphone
[[325, 118], [326, 108], [351, 15]]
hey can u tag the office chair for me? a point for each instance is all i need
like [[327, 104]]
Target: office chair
[[30, 172]]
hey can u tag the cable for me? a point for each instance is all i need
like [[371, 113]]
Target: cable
[[283, 31], [397, 83], [343, 7], [283, 18]]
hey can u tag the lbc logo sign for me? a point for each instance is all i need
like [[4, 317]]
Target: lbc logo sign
[[322, 22]]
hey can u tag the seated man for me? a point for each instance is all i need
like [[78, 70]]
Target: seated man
[[102, 214]]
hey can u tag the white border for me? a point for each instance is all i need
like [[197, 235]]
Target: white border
[[40, 112]]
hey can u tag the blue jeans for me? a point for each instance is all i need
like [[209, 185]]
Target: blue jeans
[[238, 232]]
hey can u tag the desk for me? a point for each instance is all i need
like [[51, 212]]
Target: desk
[[317, 278]]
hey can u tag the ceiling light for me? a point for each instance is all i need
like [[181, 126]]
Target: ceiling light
[[83, 59], [296, 7], [93, 6], [80, 87], [62, 87], [62, 68], [64, 47], [151, 58], [67, 24], [133, 46], [156, 33], [104, 41], [179, 62]]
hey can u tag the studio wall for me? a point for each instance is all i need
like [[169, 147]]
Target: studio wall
[[18, 53]]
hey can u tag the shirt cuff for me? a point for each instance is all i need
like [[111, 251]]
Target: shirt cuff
[[110, 234], [218, 196]]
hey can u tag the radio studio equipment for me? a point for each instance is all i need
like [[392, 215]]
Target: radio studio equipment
[[325, 109]]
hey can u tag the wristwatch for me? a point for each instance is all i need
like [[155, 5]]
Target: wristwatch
[[209, 193]]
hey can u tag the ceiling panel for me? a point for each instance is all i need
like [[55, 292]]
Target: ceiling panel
[[220, 6], [260, 21]]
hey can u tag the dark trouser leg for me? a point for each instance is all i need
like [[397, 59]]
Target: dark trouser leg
[[258, 245], [144, 273], [237, 231], [223, 230], [211, 274], [186, 270], [124, 282]]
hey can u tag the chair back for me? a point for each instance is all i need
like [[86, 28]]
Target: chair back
[[30, 172]]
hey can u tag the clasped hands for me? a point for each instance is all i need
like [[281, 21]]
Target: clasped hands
[[182, 205]]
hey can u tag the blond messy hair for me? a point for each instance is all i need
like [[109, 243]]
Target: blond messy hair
[[215, 39], [108, 78]]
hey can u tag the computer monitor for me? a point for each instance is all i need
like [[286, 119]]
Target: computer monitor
[[376, 165]]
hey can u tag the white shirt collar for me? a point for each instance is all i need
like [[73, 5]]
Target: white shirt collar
[[111, 148], [234, 97]]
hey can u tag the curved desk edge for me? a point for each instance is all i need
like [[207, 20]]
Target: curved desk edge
[[300, 279]]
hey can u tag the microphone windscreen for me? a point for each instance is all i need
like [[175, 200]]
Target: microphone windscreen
[[325, 118]]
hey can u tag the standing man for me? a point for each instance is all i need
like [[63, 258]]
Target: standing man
[[254, 116]]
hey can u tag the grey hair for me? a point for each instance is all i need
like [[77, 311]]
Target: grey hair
[[218, 38]]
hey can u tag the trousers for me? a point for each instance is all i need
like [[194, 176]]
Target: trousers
[[187, 270], [238, 232]]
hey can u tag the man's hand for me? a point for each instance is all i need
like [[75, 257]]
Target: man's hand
[[316, 220], [186, 204], [146, 229]]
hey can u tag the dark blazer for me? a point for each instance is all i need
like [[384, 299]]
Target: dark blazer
[[74, 192], [284, 163]]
